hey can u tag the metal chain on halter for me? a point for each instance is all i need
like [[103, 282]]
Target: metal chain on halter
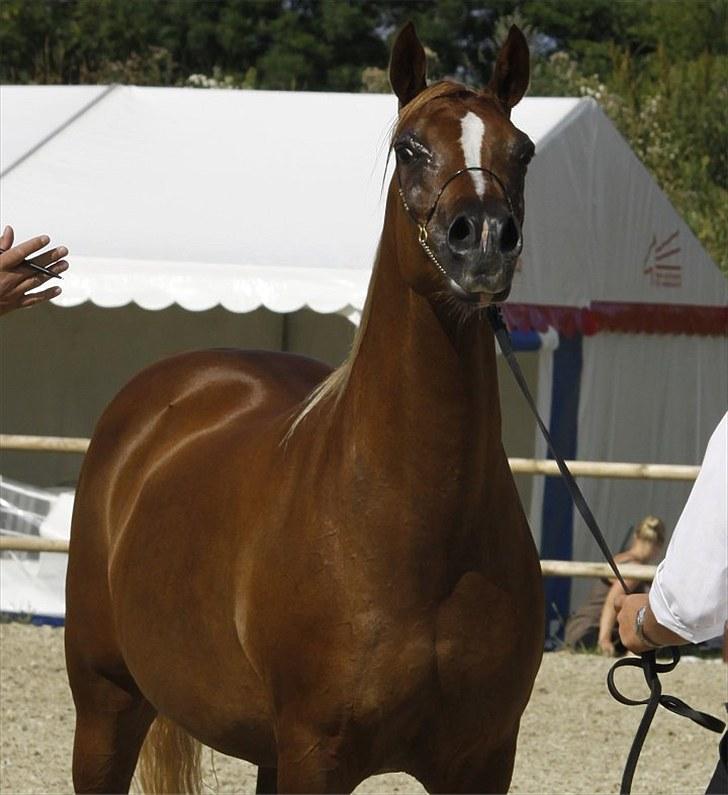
[[647, 660], [422, 234]]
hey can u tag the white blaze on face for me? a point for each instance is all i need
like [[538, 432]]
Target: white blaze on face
[[471, 140]]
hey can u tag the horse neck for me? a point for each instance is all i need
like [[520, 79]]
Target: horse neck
[[422, 377]]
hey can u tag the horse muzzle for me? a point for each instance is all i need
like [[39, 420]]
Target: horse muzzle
[[483, 250], [488, 278]]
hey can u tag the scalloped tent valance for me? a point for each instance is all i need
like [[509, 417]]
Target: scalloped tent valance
[[246, 199]]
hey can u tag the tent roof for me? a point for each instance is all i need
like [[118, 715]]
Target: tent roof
[[249, 198]]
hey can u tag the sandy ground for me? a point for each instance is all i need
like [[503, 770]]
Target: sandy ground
[[574, 737]]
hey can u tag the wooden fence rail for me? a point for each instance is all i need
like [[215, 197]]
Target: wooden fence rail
[[48, 444], [32, 544], [605, 469], [551, 568], [519, 466], [580, 568]]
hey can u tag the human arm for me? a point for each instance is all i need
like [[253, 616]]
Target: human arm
[[17, 279], [688, 601]]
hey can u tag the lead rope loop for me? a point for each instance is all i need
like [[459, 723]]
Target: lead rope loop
[[647, 660], [650, 669]]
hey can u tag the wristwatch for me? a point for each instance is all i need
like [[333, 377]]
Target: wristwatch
[[639, 621]]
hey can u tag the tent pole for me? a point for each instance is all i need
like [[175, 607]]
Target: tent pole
[[105, 93]]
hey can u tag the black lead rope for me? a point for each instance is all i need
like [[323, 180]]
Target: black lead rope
[[651, 668], [501, 333], [647, 661]]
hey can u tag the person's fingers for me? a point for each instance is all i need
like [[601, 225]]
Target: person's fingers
[[7, 237], [39, 298], [28, 279], [25, 282], [31, 273], [47, 257], [8, 282], [619, 602], [16, 254], [19, 299], [58, 267]]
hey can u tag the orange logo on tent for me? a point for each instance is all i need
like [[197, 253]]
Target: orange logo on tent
[[661, 264]]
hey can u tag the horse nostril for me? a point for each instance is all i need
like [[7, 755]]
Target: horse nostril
[[510, 237], [461, 236]]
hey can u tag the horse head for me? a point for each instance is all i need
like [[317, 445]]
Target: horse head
[[461, 165]]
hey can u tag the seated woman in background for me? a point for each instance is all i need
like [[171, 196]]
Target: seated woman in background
[[594, 624]]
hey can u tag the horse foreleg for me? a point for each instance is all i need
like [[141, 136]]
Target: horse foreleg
[[111, 724], [267, 783], [310, 761], [474, 771]]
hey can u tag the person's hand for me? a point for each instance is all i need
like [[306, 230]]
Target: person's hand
[[606, 648], [627, 607], [16, 279]]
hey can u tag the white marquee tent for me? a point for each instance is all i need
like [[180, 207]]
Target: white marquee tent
[[204, 204]]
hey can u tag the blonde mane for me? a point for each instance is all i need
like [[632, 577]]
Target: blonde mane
[[334, 385]]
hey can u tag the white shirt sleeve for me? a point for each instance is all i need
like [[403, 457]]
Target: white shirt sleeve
[[689, 594]]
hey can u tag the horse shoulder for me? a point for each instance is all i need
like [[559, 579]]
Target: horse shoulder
[[177, 399], [175, 427]]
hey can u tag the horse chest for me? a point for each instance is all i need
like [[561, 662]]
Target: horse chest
[[448, 671], [475, 637]]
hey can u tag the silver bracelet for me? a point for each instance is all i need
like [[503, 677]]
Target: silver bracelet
[[639, 628]]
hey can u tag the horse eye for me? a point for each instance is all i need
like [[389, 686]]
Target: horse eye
[[405, 153]]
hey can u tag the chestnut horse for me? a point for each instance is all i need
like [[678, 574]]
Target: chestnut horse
[[327, 574]]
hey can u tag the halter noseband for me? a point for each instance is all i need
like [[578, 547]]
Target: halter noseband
[[422, 234]]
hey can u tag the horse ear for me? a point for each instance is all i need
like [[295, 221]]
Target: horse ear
[[511, 71], [408, 65]]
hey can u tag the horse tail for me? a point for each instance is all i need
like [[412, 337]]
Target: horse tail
[[169, 761]]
